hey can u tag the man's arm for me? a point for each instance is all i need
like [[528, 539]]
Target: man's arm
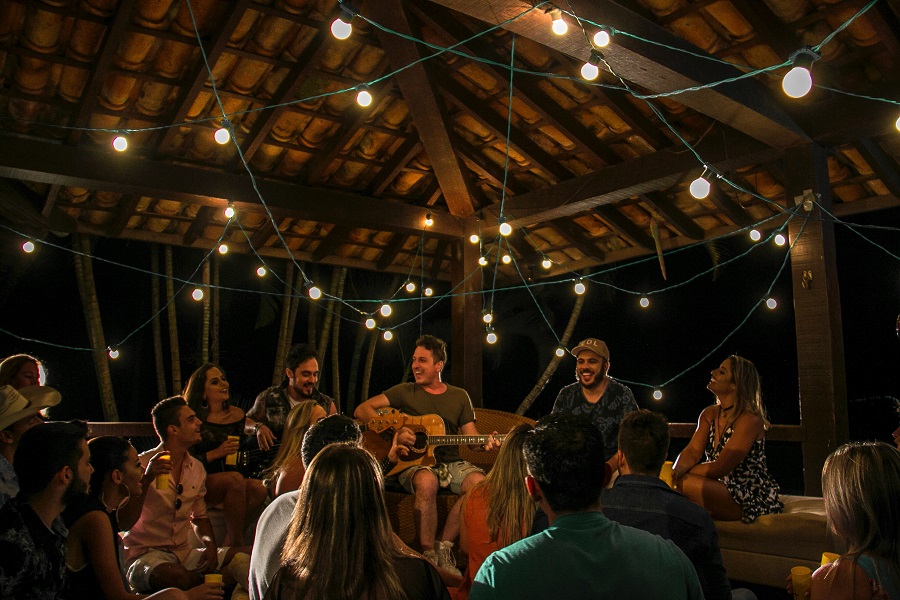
[[469, 429], [366, 411], [257, 412], [210, 561]]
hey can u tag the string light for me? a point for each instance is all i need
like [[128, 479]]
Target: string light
[[222, 134], [602, 37], [341, 27], [491, 337], [780, 240], [482, 261], [505, 227], [363, 97], [897, 124], [223, 248], [755, 235], [559, 25], [645, 302], [28, 247], [113, 353], [560, 352], [229, 210], [387, 335], [506, 259], [410, 287], [487, 317], [197, 294], [771, 303], [370, 323], [429, 292], [657, 394], [261, 271], [120, 143], [546, 263], [474, 239], [798, 80], [590, 70], [579, 288], [315, 293], [385, 310], [700, 187], [428, 220]]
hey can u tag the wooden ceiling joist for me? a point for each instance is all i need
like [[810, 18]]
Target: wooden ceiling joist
[[389, 171], [327, 246], [682, 223], [391, 251], [198, 225], [625, 227], [579, 238], [883, 165]]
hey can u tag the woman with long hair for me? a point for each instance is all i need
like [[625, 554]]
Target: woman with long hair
[[343, 550], [861, 488], [224, 425], [92, 546], [723, 468], [20, 370], [287, 470], [497, 511]]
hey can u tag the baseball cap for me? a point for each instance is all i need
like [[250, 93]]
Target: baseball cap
[[596, 346]]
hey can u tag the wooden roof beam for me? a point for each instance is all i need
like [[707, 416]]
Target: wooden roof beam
[[437, 259], [625, 227], [733, 209], [123, 213], [579, 238], [682, 223], [195, 230], [336, 237], [393, 167], [884, 166], [391, 251]]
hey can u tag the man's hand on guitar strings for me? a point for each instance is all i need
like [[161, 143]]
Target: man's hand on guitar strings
[[493, 443], [404, 439]]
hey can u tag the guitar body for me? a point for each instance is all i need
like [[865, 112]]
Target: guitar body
[[380, 431]]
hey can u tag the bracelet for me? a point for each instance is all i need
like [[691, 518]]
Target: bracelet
[[256, 427]]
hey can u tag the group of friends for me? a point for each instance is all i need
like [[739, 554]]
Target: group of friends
[[573, 507]]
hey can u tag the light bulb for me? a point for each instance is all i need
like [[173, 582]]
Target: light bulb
[[261, 271], [120, 143], [222, 136], [589, 71], [505, 228], [771, 303], [363, 98], [797, 82], [546, 263], [223, 248], [700, 187], [229, 211], [487, 317], [410, 287], [560, 352], [559, 26], [601, 38], [645, 302], [315, 293], [474, 238], [28, 247], [780, 240], [579, 288], [387, 335], [428, 220], [755, 235], [370, 323], [341, 28], [897, 124], [506, 259], [657, 394], [113, 353], [429, 292], [385, 310], [482, 261], [491, 338], [197, 294]]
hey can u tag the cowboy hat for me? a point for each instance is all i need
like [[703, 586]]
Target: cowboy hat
[[16, 405]]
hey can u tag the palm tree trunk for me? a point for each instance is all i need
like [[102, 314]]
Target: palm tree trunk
[[554, 362], [367, 370], [295, 303], [174, 351], [161, 391], [325, 334], [283, 339], [355, 360], [204, 332], [335, 335], [216, 299], [84, 271]]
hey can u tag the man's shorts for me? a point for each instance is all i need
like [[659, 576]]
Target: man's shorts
[[450, 475], [139, 570]]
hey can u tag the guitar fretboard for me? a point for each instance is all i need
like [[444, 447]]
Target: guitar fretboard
[[456, 440]]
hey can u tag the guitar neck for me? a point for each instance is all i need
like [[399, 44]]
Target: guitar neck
[[459, 440]]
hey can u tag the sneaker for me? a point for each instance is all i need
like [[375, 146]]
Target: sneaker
[[445, 558]]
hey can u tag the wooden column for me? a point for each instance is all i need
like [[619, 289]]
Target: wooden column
[[467, 333], [817, 311]]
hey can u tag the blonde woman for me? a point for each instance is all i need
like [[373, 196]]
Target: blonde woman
[[287, 470], [498, 510], [723, 468], [20, 370], [344, 550]]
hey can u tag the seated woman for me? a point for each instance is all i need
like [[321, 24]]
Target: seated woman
[[723, 468], [92, 547], [498, 510], [343, 550], [286, 472], [861, 488], [207, 395], [20, 370]]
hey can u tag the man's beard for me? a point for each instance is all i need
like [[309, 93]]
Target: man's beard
[[76, 491]]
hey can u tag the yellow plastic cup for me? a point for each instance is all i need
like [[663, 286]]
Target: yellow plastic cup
[[829, 557], [666, 473], [231, 459], [801, 578], [212, 578], [162, 480]]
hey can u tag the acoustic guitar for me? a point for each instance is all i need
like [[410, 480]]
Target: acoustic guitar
[[428, 429]]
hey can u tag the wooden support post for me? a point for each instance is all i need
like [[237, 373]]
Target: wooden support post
[[467, 333], [817, 312]]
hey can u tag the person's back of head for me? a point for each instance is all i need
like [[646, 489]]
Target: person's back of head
[[108, 454], [564, 455], [333, 429], [644, 440], [166, 412], [510, 508], [43, 451]]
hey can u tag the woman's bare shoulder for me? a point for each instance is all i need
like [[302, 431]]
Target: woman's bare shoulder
[[839, 580]]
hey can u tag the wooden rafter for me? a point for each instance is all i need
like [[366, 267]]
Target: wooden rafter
[[437, 259], [123, 212], [335, 237], [624, 226], [389, 171], [578, 237], [883, 165], [679, 221], [193, 233], [730, 207], [391, 251]]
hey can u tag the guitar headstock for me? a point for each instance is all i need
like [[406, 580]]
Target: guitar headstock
[[384, 419]]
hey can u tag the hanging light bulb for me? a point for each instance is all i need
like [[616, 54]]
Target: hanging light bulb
[[505, 227], [223, 248], [120, 143], [506, 258], [370, 323], [700, 187], [560, 352], [780, 240], [771, 303], [429, 292], [315, 293], [197, 294], [222, 134], [755, 235], [897, 124], [387, 335], [657, 394], [474, 238], [546, 263], [385, 310], [341, 28], [645, 302], [590, 70], [363, 97], [487, 317], [229, 210], [559, 25], [113, 353], [428, 220], [28, 247], [261, 271], [491, 337], [410, 287], [579, 288], [482, 261], [602, 37], [798, 80]]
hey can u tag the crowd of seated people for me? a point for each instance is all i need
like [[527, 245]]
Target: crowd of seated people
[[93, 518]]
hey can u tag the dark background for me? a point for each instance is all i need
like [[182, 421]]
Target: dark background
[[647, 346]]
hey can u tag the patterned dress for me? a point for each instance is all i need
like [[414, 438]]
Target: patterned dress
[[749, 482]]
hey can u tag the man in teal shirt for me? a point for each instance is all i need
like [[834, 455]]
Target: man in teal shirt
[[582, 554]]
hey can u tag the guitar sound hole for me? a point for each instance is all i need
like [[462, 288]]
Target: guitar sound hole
[[421, 440]]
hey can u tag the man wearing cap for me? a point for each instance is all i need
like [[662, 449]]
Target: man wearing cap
[[596, 394], [20, 410]]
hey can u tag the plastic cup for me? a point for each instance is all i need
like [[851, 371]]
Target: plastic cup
[[829, 557], [666, 473], [212, 578], [801, 578], [231, 459], [162, 480]]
